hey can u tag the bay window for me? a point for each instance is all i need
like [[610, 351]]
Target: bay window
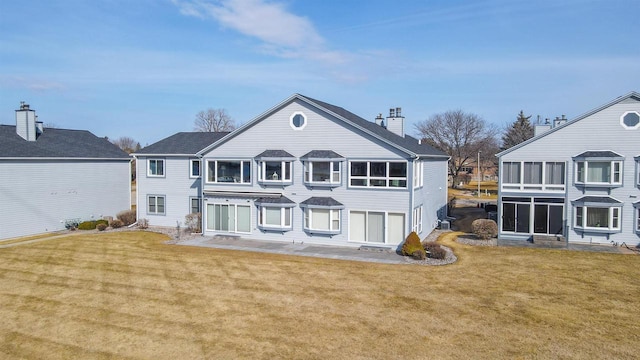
[[277, 172], [597, 213], [598, 168], [322, 172], [322, 215], [275, 214]]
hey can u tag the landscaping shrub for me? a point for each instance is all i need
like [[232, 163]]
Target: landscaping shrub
[[192, 222], [435, 250], [143, 224], [101, 226], [484, 229], [419, 254], [412, 244], [117, 224], [127, 217], [87, 225], [102, 221]]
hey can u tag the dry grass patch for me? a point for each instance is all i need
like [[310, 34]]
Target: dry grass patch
[[127, 294]]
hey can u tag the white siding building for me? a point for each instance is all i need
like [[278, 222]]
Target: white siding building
[[578, 181], [308, 171], [51, 176]]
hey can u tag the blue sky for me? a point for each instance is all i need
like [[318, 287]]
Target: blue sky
[[144, 68]]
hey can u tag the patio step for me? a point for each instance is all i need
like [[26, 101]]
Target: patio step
[[549, 240]]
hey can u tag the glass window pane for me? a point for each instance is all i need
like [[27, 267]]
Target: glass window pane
[[375, 227], [599, 172], [152, 204], [398, 169], [533, 173], [244, 218], [320, 219], [597, 217], [357, 226], [321, 171], [396, 228], [273, 170], [378, 169], [554, 173], [287, 217], [580, 170], [195, 168], [272, 216], [522, 218], [358, 182], [246, 172], [358, 168]]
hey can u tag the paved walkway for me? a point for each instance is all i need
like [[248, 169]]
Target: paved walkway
[[363, 253]]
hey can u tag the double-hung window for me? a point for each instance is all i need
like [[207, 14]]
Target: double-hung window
[[418, 177], [194, 204], [391, 174], [598, 168], [155, 204], [229, 171], [194, 168], [417, 220], [155, 167]]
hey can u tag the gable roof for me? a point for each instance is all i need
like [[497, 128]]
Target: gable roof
[[615, 101], [406, 144], [182, 143], [58, 143]]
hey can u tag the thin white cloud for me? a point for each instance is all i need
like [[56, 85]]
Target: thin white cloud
[[280, 32]]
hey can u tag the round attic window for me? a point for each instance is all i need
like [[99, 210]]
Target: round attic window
[[630, 120], [298, 121]]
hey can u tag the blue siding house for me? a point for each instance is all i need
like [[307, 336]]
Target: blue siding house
[[577, 180], [304, 171], [51, 176]]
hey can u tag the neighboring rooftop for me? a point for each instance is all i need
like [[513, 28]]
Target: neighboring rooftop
[[183, 143], [57, 143]]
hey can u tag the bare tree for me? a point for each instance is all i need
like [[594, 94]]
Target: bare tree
[[213, 120], [127, 144], [460, 135]]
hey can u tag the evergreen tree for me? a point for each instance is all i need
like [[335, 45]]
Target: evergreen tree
[[520, 131]]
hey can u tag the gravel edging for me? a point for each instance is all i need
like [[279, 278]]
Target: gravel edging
[[450, 258], [471, 240]]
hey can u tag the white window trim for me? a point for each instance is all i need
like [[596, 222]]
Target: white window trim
[[387, 177], [262, 216], [609, 228], [308, 173], [629, 127], [191, 198], [265, 178], [215, 175], [612, 173], [522, 186], [164, 167], [191, 174], [418, 174], [306, 121], [417, 219], [235, 209], [155, 199], [334, 214]]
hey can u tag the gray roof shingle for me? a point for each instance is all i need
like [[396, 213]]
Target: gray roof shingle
[[281, 154], [57, 143], [282, 200], [597, 199], [406, 142], [321, 201], [182, 143], [599, 154], [322, 154]]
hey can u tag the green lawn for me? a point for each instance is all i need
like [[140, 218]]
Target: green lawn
[[128, 295]]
